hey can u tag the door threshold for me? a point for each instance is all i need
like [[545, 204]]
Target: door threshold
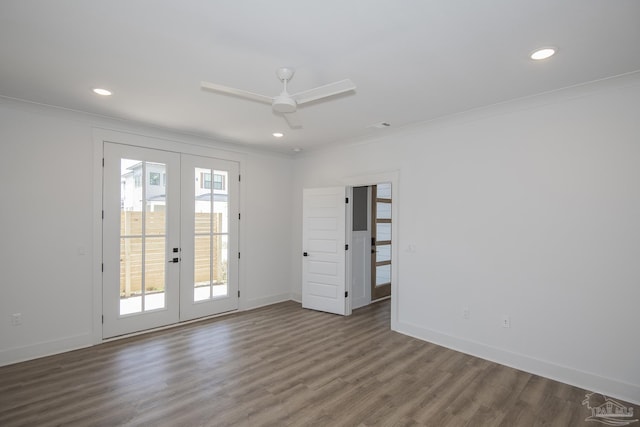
[[173, 325]]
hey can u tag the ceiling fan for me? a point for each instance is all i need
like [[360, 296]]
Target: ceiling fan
[[285, 103]]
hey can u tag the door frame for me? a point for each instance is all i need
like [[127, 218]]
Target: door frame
[[366, 180], [185, 145]]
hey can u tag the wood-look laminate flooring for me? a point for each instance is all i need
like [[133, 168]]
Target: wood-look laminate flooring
[[280, 365]]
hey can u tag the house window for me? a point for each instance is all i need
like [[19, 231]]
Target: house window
[[205, 180], [137, 180], [154, 178], [218, 182]]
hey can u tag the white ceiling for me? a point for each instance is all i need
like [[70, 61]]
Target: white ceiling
[[411, 60]]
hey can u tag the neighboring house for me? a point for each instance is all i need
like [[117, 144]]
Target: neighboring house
[[155, 187], [155, 183]]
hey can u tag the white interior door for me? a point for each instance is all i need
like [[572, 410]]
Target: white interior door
[[323, 243], [140, 229], [209, 229], [360, 249]]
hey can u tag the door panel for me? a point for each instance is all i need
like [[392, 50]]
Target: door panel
[[209, 273], [141, 224], [323, 235], [381, 241]]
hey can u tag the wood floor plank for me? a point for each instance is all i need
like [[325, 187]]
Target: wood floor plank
[[280, 365]]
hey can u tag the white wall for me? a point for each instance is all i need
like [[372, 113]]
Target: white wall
[[529, 209], [266, 226], [47, 219]]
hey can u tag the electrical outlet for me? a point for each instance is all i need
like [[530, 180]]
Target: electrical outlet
[[506, 321], [466, 313], [16, 319]]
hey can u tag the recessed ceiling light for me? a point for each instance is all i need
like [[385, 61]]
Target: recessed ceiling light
[[103, 92], [543, 53], [278, 134]]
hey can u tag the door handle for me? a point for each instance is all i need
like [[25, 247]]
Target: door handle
[[175, 260], [305, 254]]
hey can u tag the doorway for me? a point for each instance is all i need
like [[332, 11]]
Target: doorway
[[170, 238], [371, 239]]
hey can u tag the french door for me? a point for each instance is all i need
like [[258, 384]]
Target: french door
[[209, 236], [170, 228]]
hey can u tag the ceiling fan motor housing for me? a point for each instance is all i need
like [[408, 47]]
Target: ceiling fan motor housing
[[285, 73], [283, 104]]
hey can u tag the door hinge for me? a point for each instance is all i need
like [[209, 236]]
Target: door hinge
[[238, 293], [346, 294], [103, 214], [238, 255], [346, 200], [102, 268], [238, 215], [239, 178], [103, 162], [346, 247], [103, 318]]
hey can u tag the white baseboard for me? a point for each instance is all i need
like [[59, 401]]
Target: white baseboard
[[43, 349], [585, 380], [48, 348], [261, 302], [360, 302], [296, 297]]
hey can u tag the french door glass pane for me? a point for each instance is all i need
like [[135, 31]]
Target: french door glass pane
[[142, 236], [383, 274], [154, 272], [383, 191], [383, 253], [155, 195], [203, 201], [211, 228], [383, 231], [221, 203], [154, 301], [130, 275], [383, 210], [220, 263], [202, 268]]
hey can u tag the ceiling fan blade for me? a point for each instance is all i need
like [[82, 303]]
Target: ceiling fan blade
[[324, 91], [293, 120], [236, 92]]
